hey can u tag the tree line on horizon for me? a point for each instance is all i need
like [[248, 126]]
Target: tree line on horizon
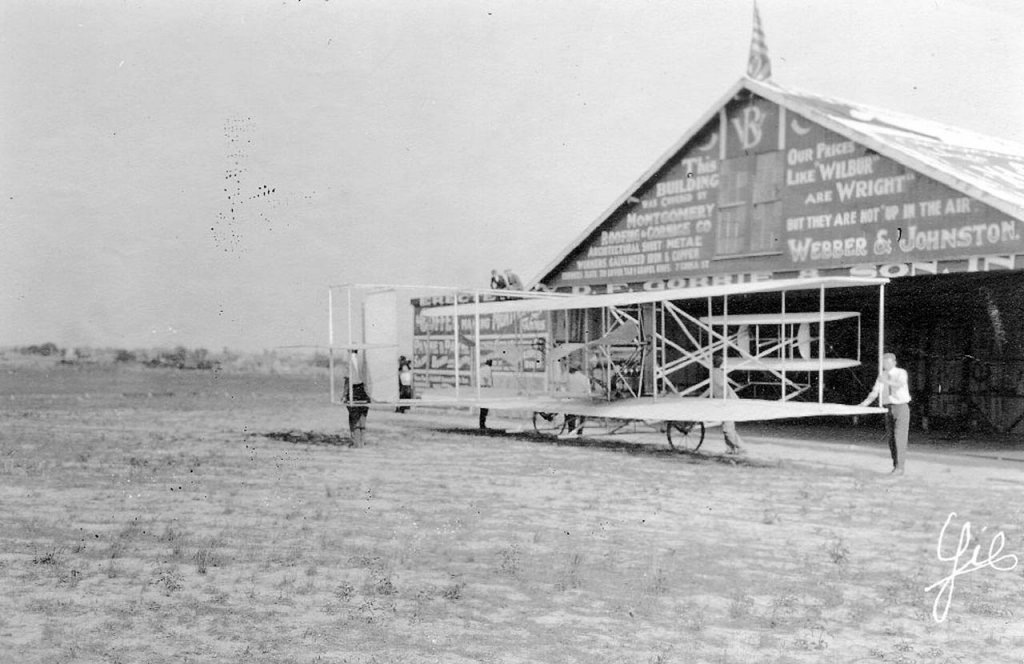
[[179, 357]]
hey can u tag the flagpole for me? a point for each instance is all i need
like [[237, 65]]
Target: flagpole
[[759, 65]]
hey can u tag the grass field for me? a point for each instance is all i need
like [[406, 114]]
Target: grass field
[[156, 516]]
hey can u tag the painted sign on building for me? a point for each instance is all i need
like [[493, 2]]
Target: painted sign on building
[[845, 204]]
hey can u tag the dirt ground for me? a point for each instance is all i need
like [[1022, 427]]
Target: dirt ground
[[157, 516]]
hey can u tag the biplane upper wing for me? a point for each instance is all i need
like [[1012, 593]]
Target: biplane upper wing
[[693, 409], [646, 297]]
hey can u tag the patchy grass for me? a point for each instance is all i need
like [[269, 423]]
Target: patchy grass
[[229, 520]]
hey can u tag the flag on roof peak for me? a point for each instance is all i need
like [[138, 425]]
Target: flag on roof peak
[[759, 66]]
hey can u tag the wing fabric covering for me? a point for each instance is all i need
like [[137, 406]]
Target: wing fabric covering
[[379, 329]]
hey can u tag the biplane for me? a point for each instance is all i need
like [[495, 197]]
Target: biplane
[[647, 355]]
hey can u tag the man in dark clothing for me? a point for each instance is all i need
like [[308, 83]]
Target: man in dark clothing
[[357, 399], [404, 382]]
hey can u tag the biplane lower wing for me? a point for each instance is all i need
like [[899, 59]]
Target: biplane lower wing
[[692, 409]]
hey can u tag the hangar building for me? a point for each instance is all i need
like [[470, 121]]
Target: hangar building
[[774, 183]]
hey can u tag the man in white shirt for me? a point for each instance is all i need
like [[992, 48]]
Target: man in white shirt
[[893, 391], [486, 378], [719, 388]]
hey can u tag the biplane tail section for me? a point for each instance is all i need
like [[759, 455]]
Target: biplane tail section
[[565, 350], [623, 335]]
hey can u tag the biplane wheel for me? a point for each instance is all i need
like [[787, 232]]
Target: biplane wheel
[[548, 424], [685, 436]]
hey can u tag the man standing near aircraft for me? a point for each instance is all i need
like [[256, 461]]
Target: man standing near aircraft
[[512, 280], [357, 398], [404, 382], [486, 379], [577, 385], [720, 389], [893, 390]]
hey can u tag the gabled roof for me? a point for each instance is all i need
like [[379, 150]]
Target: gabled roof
[[987, 169]]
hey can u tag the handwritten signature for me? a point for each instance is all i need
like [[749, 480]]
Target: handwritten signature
[[940, 608]]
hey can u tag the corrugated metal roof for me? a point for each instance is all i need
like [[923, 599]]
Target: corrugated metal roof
[[988, 169], [985, 167]]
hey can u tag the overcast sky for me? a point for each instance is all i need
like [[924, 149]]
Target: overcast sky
[[197, 173]]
